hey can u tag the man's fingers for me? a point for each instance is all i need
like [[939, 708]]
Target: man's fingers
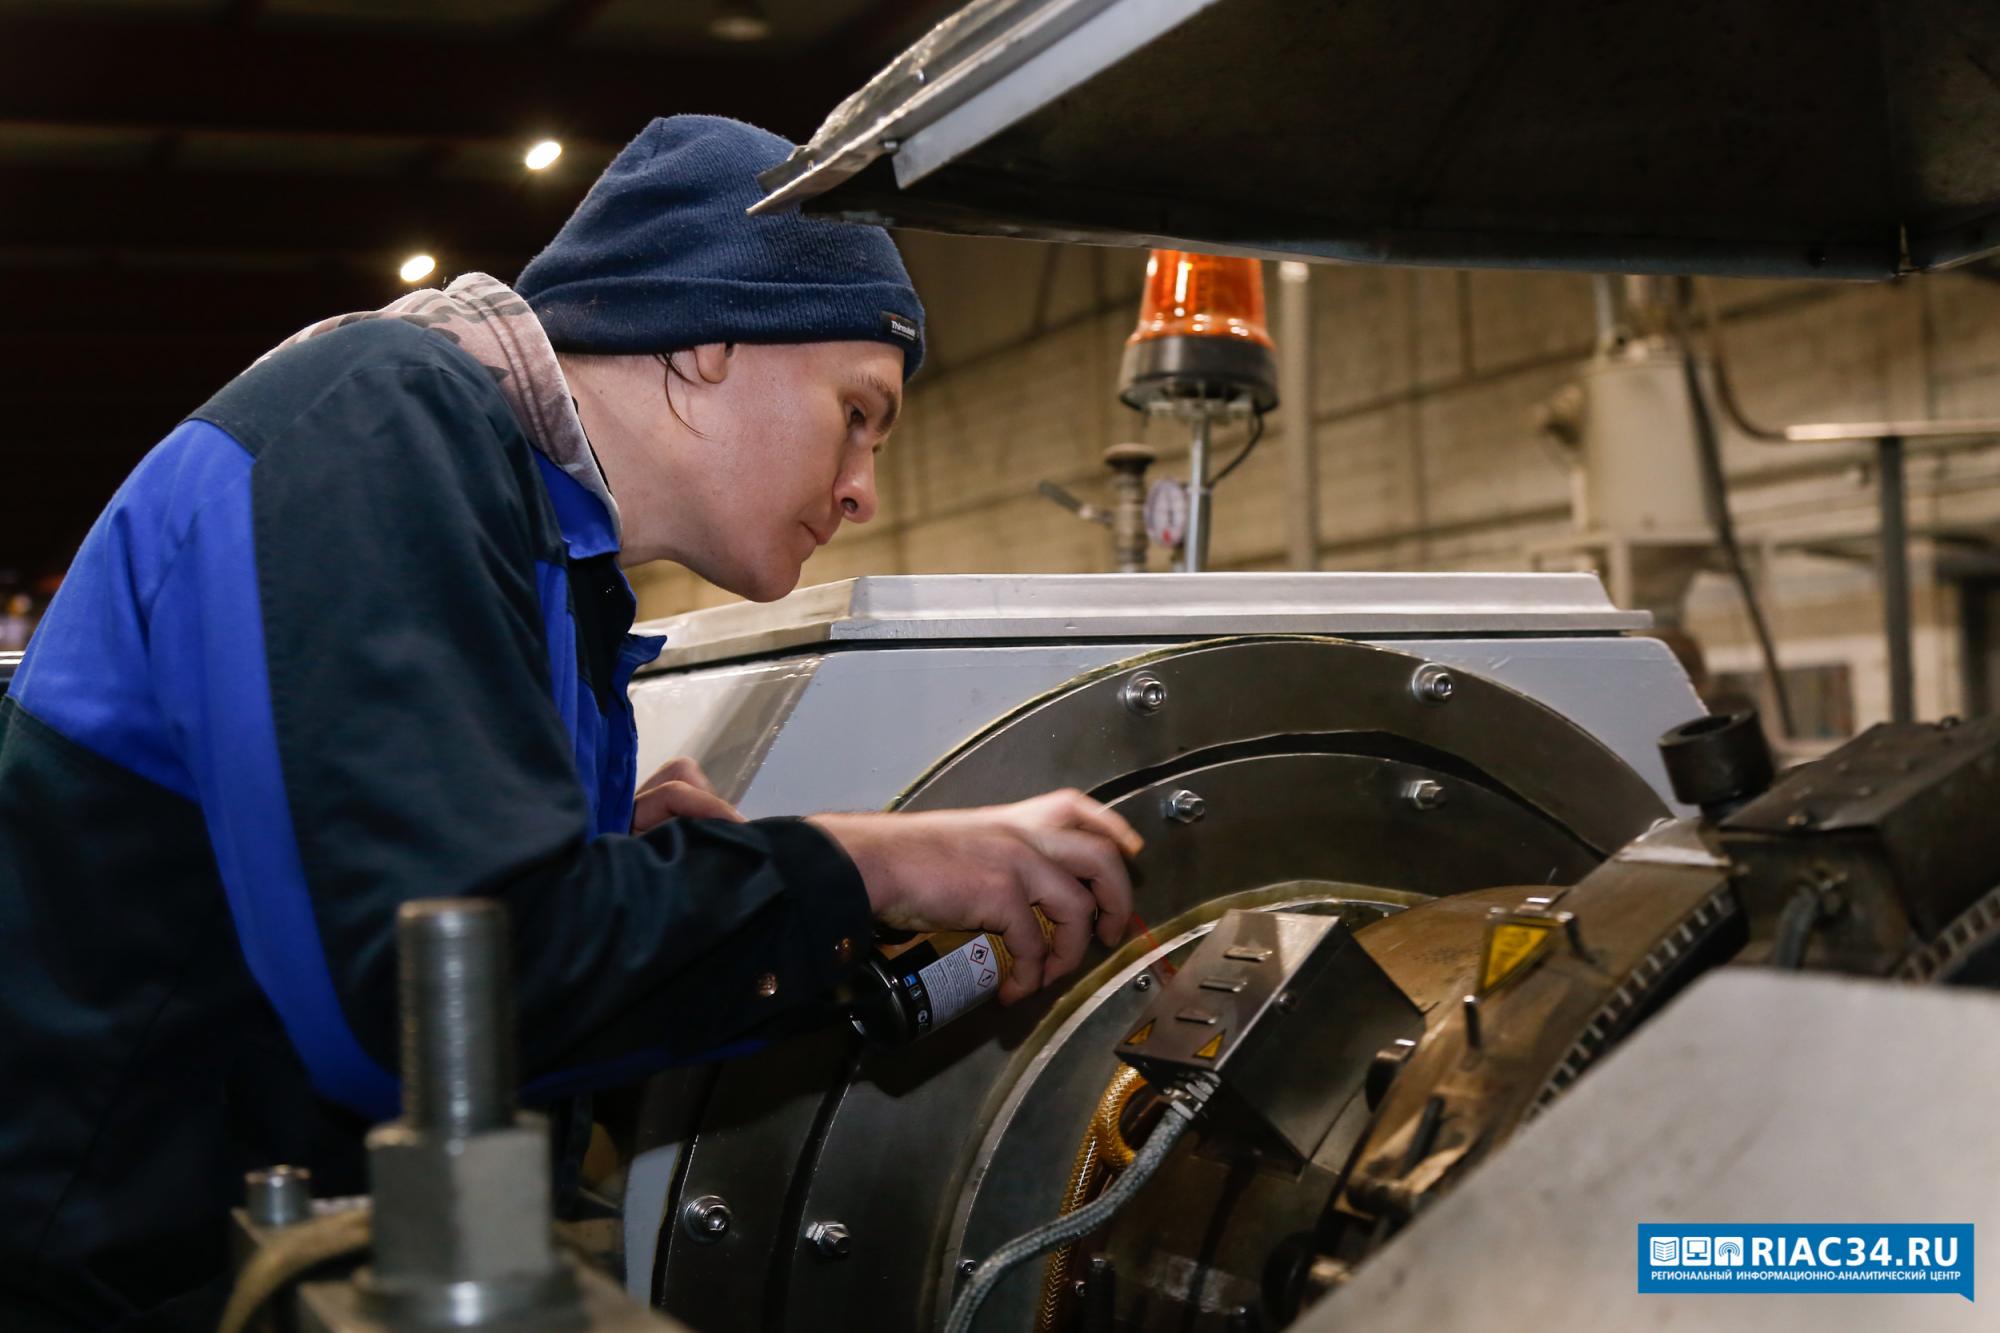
[[1068, 907], [1072, 809], [684, 770], [1089, 857], [1011, 916], [679, 800]]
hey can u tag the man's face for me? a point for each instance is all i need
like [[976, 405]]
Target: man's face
[[766, 452], [792, 432]]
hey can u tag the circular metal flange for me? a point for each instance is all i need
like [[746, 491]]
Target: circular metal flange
[[1348, 695], [892, 1149], [1057, 1077]]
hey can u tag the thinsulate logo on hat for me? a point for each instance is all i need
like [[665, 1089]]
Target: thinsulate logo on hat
[[896, 326]]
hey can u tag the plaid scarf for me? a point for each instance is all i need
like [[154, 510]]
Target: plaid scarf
[[485, 317]]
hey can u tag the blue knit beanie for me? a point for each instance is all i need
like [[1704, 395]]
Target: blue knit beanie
[[660, 255]]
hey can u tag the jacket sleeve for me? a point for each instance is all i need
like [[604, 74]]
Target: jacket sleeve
[[348, 647]]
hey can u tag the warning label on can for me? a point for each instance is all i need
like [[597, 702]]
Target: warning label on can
[[963, 978]]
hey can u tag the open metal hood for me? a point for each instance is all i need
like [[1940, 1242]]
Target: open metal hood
[[1787, 138]]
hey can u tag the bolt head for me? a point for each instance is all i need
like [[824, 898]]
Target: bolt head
[[1185, 807], [279, 1196], [967, 1267], [1144, 981], [830, 1239], [1425, 794], [1144, 694], [706, 1219], [1432, 684]]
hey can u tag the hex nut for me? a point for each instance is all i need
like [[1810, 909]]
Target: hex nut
[[460, 1209], [1184, 807]]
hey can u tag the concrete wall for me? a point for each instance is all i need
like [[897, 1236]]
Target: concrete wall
[[1424, 385]]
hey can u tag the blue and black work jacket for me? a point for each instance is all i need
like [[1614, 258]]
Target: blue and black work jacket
[[345, 638]]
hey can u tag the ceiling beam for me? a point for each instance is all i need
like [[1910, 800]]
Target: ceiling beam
[[213, 77]]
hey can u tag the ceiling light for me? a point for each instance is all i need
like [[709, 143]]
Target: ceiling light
[[417, 267], [739, 21], [543, 154]]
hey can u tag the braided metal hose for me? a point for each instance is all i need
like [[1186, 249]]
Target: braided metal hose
[[1103, 1149], [1184, 1103]]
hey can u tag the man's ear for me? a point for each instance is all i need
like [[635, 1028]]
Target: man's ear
[[711, 362]]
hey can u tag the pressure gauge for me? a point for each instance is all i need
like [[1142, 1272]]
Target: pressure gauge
[[1167, 512]]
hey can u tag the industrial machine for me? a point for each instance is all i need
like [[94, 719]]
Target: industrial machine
[[1453, 789], [1463, 732]]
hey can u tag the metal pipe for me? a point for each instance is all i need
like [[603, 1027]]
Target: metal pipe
[[1295, 353], [1895, 566], [1129, 539], [457, 1016], [1604, 308], [1195, 545], [1890, 438], [1821, 432]]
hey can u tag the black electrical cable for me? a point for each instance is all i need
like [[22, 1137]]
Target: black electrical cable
[[1715, 489], [1795, 930], [1256, 434]]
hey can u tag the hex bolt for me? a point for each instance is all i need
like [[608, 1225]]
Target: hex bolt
[[456, 1005], [1432, 684], [1424, 794], [278, 1196], [706, 1219], [1144, 981], [830, 1240], [1185, 807], [1144, 694], [967, 1267]]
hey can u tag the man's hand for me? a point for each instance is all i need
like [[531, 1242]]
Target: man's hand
[[680, 789], [988, 869]]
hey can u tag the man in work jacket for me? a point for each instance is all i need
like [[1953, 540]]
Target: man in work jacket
[[356, 632]]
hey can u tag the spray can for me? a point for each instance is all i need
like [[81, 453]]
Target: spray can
[[906, 992]]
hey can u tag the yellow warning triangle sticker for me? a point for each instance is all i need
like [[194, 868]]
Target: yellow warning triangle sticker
[[1139, 1038], [1210, 1049], [1510, 946]]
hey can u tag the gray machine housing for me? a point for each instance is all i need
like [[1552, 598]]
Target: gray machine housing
[[842, 695]]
